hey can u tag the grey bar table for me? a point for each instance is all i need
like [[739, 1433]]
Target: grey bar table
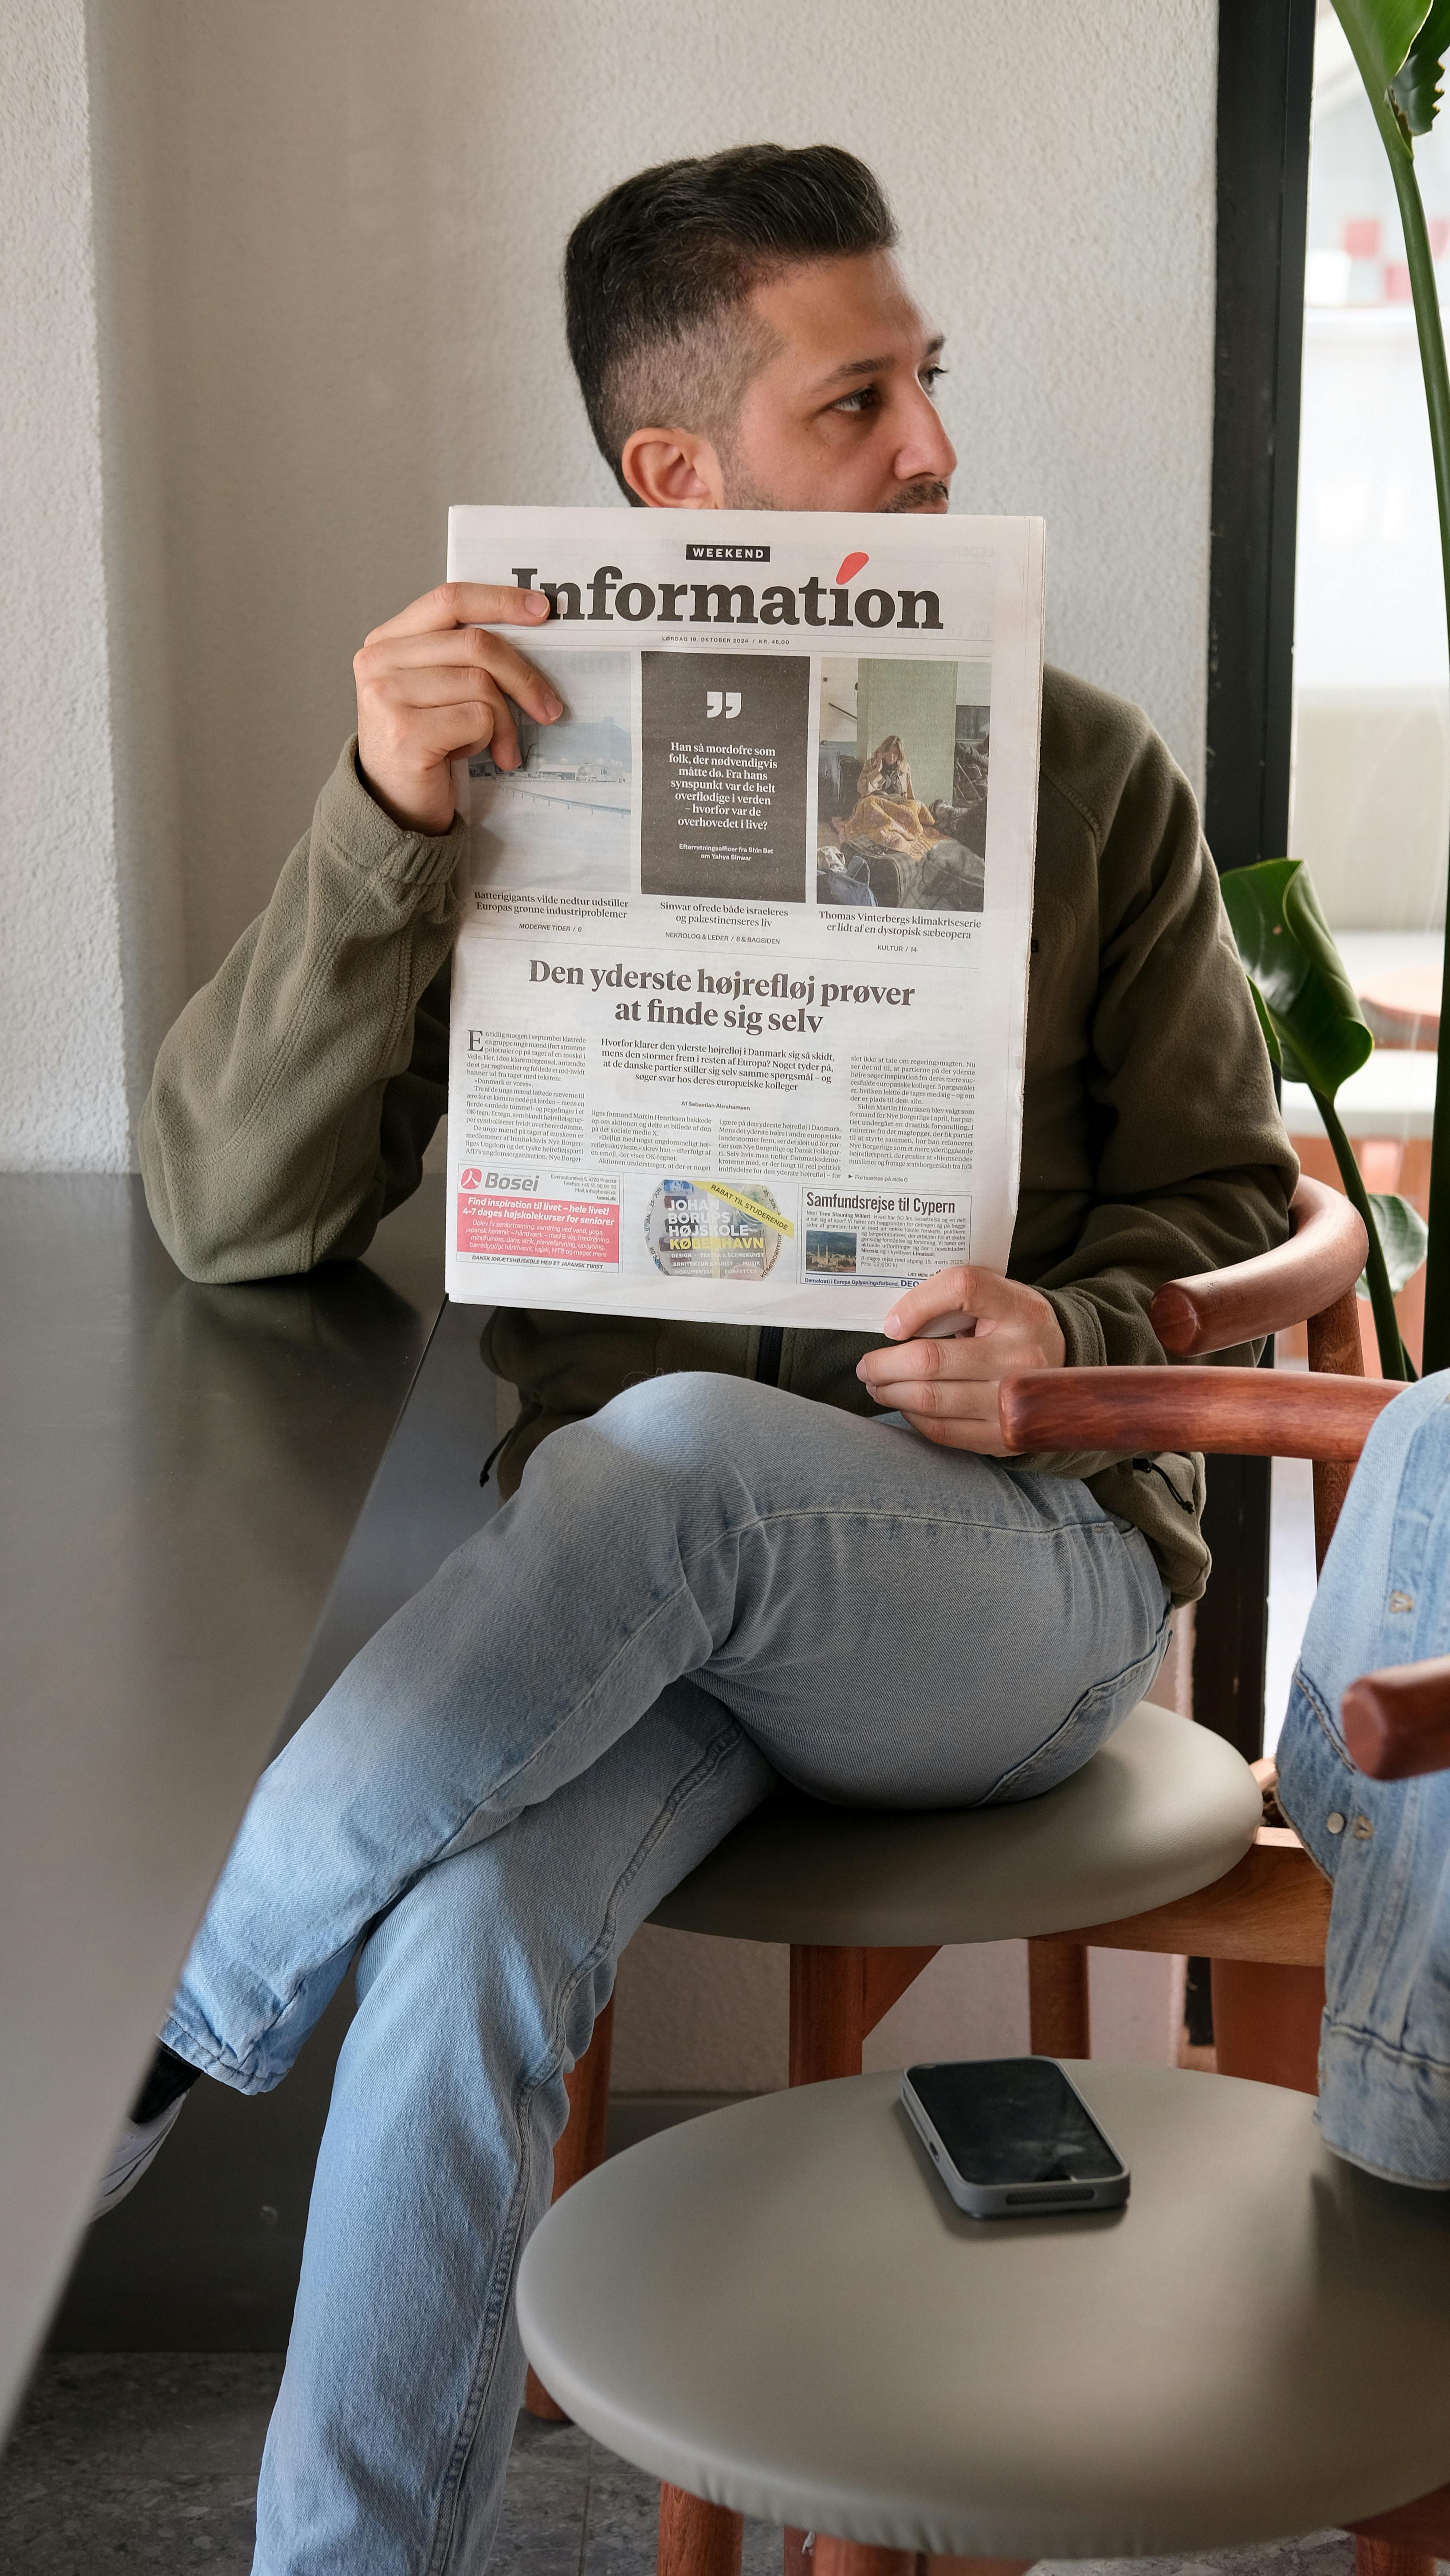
[[183, 1476]]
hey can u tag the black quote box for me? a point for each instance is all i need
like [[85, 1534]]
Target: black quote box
[[722, 796]]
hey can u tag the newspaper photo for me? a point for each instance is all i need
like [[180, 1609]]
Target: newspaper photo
[[740, 991]]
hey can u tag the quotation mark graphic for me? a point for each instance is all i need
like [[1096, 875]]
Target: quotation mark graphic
[[729, 700]]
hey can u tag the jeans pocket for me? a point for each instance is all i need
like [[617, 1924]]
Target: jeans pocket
[[1086, 1727]]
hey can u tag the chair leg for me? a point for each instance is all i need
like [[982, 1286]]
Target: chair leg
[[1387, 2558], [827, 2027], [829, 2016], [1336, 1350], [827, 2012], [1266, 2022], [579, 2150], [696, 2538], [1059, 2019]]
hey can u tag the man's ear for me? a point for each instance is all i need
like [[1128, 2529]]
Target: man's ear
[[673, 469]]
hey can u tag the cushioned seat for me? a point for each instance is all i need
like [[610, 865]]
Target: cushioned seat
[[1164, 1809], [778, 2307]]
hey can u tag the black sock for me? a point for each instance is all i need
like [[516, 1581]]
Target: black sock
[[167, 2078]]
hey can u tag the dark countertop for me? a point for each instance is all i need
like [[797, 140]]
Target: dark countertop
[[181, 1471]]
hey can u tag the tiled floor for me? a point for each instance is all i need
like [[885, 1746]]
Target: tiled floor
[[147, 2463]]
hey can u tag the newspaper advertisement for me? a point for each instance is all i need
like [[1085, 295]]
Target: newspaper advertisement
[[739, 996]]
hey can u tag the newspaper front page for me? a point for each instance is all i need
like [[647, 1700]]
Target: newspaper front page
[[739, 996]]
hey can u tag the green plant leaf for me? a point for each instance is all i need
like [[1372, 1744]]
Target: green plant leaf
[[1415, 89], [1288, 949], [1381, 33], [1271, 1034], [1404, 1240], [1398, 45]]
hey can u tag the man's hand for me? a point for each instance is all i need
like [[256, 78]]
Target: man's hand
[[948, 1389], [431, 686]]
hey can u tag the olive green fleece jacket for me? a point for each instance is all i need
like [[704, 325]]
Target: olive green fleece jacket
[[294, 1098]]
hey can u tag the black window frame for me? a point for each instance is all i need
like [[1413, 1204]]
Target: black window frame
[[1265, 90]]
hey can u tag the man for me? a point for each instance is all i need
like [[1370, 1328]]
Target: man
[[718, 1566]]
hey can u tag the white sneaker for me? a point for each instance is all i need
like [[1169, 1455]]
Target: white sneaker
[[134, 2150]]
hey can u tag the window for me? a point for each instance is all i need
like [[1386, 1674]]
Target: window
[[1370, 795]]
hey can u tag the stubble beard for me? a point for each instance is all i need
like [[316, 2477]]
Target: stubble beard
[[925, 492]]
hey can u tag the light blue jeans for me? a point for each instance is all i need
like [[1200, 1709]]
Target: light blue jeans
[[1383, 1598], [709, 1584]]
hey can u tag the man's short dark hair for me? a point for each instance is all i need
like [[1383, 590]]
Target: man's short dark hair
[[656, 276]]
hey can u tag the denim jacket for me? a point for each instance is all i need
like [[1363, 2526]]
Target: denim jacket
[[1384, 1598]]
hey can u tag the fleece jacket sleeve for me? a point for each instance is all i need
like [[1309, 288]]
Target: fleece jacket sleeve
[[293, 1101], [1193, 1169]]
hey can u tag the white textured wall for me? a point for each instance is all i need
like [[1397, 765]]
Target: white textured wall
[[62, 1092], [340, 229]]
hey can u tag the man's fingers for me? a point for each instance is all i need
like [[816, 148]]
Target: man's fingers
[[964, 1358], [393, 722], [441, 733], [963, 1417], [959, 1291], [908, 1359], [984, 1439], [964, 1362], [435, 684], [461, 650], [466, 603], [935, 1397]]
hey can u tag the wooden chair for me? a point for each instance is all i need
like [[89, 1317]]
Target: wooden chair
[[1263, 2346], [1158, 1844]]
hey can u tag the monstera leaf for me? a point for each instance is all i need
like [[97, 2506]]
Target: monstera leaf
[[1316, 1033], [1305, 999], [1404, 1239]]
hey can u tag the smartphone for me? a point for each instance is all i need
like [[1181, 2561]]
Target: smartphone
[[1012, 2137]]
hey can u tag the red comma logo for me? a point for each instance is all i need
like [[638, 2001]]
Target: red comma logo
[[470, 1179], [852, 565]]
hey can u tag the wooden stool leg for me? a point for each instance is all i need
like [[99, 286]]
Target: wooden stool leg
[[827, 2027], [1387, 2558], [579, 2150], [828, 2023], [1266, 2022], [696, 2538], [1059, 2019], [827, 2012]]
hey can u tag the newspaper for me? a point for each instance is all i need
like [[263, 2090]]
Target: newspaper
[[739, 996]]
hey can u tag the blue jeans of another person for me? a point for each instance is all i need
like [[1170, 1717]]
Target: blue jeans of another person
[[708, 1585], [1383, 1598]]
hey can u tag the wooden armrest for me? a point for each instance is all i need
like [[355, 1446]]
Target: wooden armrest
[[1397, 1723], [1254, 1413], [1322, 1258]]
